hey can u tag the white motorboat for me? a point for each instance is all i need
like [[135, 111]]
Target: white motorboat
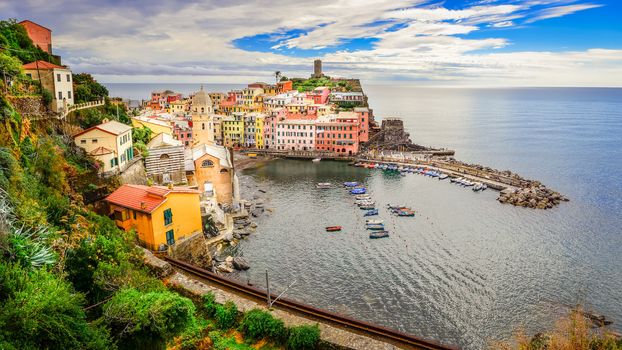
[[315, 160], [373, 221], [323, 185]]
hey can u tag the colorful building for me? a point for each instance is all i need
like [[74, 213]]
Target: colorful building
[[210, 169], [110, 143], [259, 131], [40, 35], [295, 134], [202, 127], [157, 125], [159, 215], [233, 130], [319, 95], [338, 133]]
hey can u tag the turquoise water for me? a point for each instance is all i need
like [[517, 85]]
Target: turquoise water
[[466, 270]]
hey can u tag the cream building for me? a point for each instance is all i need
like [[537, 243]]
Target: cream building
[[56, 79], [202, 126], [110, 143]]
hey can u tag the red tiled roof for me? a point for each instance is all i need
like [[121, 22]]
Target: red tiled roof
[[41, 65], [143, 198], [100, 151]]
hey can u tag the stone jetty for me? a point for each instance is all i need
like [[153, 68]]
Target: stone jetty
[[533, 196]]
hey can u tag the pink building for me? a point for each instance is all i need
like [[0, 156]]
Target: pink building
[[364, 116], [270, 126], [338, 133], [319, 95], [295, 134], [182, 129]]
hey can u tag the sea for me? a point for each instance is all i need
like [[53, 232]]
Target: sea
[[466, 270]]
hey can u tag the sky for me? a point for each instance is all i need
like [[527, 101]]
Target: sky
[[416, 42]]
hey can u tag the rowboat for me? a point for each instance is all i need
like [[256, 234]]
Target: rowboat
[[375, 227], [405, 213], [371, 212], [360, 190], [373, 221], [333, 228], [362, 197], [443, 176], [323, 185], [379, 234], [367, 207], [351, 184]]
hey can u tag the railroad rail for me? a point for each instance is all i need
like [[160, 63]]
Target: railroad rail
[[394, 336]]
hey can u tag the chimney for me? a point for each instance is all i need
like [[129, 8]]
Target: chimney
[[143, 205]]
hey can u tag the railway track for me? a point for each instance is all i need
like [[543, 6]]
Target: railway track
[[394, 336]]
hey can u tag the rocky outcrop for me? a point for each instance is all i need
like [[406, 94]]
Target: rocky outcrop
[[159, 267], [193, 250], [535, 196]]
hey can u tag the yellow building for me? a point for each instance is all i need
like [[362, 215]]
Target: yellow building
[[157, 126], [233, 130], [179, 107], [160, 215], [210, 169], [259, 120], [110, 143]]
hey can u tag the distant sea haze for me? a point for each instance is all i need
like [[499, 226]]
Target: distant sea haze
[[466, 270]]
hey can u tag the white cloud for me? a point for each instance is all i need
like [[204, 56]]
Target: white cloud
[[560, 11]]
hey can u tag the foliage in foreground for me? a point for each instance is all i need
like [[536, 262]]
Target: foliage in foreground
[[573, 332]]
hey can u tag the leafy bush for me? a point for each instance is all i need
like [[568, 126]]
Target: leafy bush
[[39, 311], [87, 88], [137, 319], [258, 324], [226, 315], [303, 337], [209, 304]]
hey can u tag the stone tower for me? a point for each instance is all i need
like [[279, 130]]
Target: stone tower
[[317, 69], [202, 126]]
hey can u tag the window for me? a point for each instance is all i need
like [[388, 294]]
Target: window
[[69, 95], [134, 212], [170, 237], [29, 75], [203, 126], [207, 163], [94, 141], [82, 141], [60, 95], [164, 157], [168, 218], [57, 77], [69, 78], [121, 215]]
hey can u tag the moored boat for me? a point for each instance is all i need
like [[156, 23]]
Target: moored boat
[[405, 213], [315, 160], [371, 212], [379, 234], [373, 221], [351, 184], [443, 176], [367, 207], [362, 197], [375, 227], [358, 190], [333, 228], [323, 185]]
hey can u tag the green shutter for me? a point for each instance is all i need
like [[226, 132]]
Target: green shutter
[[170, 237], [168, 217]]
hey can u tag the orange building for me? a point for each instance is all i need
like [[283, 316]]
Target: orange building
[[40, 35], [160, 215]]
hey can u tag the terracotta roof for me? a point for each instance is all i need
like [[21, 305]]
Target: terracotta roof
[[100, 151], [144, 198], [112, 127], [42, 65]]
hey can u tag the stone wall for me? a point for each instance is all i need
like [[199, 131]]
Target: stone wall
[[29, 106]]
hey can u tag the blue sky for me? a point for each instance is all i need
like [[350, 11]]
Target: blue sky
[[473, 42]]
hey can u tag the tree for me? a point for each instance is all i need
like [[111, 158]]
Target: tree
[[277, 75], [86, 88]]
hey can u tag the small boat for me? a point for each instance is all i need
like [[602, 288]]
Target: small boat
[[333, 228], [367, 207], [362, 197], [366, 203], [351, 184], [315, 160], [443, 176], [323, 185], [375, 227], [360, 190], [405, 213], [379, 234], [371, 212], [373, 221]]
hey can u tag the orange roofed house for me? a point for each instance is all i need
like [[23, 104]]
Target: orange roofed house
[[160, 215]]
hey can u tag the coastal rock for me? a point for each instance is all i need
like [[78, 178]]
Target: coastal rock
[[253, 225], [224, 268], [229, 259], [240, 263], [228, 237]]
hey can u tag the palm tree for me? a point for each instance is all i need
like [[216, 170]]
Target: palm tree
[[277, 75]]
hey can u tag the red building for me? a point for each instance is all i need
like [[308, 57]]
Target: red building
[[40, 35], [339, 134]]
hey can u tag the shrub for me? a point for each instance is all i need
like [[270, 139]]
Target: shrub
[[137, 319], [303, 337], [226, 315], [209, 304], [258, 324]]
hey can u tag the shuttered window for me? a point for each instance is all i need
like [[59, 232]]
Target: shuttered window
[[168, 217], [170, 237]]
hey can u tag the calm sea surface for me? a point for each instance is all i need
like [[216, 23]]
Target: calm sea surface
[[467, 270]]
